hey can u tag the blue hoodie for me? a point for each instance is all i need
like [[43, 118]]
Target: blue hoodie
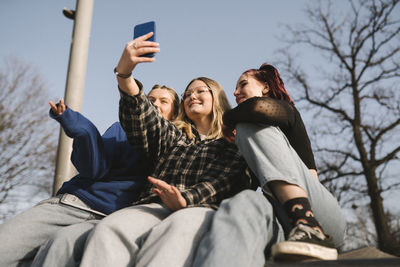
[[110, 172]]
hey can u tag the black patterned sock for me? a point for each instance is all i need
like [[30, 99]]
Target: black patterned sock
[[300, 211]]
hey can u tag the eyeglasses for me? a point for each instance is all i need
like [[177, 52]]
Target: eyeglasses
[[198, 91]]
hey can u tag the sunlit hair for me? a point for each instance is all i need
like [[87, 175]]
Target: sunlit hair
[[220, 105], [269, 75], [174, 96]]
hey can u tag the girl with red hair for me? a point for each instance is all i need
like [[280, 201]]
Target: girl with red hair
[[296, 217]]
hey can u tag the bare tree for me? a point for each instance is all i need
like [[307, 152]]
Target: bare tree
[[354, 99], [28, 139]]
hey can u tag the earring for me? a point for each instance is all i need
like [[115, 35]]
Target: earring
[[265, 91]]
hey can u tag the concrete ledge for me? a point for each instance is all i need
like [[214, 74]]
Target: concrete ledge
[[367, 256], [365, 253]]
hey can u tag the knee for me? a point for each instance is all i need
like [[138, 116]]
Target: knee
[[248, 195], [248, 205], [250, 200], [103, 228], [66, 236], [60, 237], [12, 231], [191, 218]]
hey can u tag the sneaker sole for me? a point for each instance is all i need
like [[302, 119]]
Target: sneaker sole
[[295, 251]]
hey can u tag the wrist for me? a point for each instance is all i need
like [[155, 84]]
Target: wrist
[[122, 75]]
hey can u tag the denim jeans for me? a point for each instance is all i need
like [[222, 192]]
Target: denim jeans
[[249, 223], [22, 236], [242, 228]]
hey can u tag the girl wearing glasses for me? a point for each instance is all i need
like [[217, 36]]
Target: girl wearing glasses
[[195, 166]]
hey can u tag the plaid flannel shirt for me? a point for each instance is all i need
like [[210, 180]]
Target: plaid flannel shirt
[[205, 172]]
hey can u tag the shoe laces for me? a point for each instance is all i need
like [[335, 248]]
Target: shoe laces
[[300, 231]]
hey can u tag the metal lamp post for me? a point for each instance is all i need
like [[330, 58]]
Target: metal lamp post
[[82, 17]]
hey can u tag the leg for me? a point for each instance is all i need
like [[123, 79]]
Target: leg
[[174, 241], [241, 229], [271, 158], [117, 238], [65, 248], [26, 232]]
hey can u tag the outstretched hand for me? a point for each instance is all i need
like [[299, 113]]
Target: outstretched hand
[[57, 109], [169, 194]]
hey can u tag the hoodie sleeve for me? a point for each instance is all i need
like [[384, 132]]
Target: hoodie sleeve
[[88, 152]]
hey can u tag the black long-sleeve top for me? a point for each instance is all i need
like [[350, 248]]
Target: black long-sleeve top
[[279, 113]]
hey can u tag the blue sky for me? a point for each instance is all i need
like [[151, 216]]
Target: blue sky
[[214, 38], [217, 39]]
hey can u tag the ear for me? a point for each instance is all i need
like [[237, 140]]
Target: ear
[[265, 90]]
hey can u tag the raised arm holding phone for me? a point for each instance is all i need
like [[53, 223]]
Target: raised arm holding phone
[[195, 167]]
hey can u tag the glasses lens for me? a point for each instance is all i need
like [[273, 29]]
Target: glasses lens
[[197, 91]]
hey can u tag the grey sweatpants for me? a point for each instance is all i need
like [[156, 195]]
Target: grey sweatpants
[[147, 235], [22, 236]]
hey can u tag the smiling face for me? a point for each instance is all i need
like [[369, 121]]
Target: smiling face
[[248, 87], [198, 101], [163, 101]]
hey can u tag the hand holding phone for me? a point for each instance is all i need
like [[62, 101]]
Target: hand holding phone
[[144, 28]]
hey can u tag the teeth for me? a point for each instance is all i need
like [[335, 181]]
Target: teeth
[[195, 104]]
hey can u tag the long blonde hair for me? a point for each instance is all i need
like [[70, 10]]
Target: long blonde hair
[[220, 105]]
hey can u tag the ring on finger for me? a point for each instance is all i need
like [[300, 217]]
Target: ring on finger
[[134, 45]]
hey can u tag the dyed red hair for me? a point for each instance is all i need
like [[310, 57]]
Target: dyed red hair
[[269, 75]]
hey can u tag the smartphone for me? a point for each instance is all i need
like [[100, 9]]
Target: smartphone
[[142, 29]]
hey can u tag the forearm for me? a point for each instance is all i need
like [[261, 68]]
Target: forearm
[[145, 128], [213, 193], [131, 56], [123, 72], [128, 85]]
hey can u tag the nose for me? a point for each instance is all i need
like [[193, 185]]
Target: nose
[[193, 95], [236, 92], [157, 105]]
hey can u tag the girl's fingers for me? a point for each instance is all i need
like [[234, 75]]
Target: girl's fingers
[[161, 185], [175, 190], [157, 191], [147, 50], [150, 44], [141, 42], [153, 180], [56, 110], [140, 53], [143, 37], [145, 59], [53, 106]]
